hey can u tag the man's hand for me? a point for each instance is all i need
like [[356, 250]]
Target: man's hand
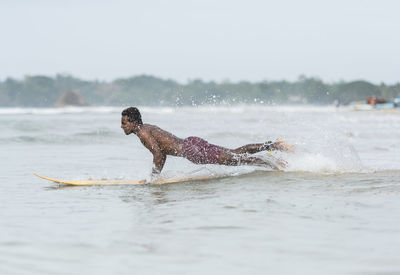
[[152, 178]]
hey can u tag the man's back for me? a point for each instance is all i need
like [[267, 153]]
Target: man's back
[[167, 142]]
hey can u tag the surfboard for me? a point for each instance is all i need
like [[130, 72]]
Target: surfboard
[[90, 182]]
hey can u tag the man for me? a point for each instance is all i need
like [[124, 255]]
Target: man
[[162, 143]]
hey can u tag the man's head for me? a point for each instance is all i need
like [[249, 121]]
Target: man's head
[[131, 120]]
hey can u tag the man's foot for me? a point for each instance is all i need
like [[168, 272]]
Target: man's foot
[[282, 163], [282, 146]]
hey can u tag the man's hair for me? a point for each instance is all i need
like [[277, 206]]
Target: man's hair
[[133, 114]]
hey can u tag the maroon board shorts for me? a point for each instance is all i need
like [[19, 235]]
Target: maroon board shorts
[[199, 151]]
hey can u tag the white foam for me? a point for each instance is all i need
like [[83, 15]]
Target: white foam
[[221, 108], [332, 158]]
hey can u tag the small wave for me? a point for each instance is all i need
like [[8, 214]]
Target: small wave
[[20, 139], [54, 111], [36, 139], [82, 138], [219, 227], [97, 133], [240, 108]]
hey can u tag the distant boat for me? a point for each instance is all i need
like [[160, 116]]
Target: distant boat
[[373, 103]]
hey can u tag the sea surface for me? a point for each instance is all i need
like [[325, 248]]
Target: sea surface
[[335, 209]]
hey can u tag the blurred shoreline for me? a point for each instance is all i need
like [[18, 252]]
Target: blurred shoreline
[[145, 90]]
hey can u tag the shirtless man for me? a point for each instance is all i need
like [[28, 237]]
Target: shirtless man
[[162, 143]]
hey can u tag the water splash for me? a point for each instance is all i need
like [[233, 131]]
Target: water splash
[[328, 155]]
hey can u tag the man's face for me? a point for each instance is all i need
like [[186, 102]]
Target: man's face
[[127, 126]]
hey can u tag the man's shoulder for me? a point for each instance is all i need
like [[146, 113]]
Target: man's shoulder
[[149, 127], [155, 131]]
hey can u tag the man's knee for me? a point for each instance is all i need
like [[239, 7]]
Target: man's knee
[[228, 158]]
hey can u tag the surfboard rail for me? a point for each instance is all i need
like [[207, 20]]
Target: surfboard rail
[[91, 182]]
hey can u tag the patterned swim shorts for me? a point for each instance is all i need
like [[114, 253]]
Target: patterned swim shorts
[[199, 151]]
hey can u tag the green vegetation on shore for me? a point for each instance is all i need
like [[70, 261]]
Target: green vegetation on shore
[[44, 91]]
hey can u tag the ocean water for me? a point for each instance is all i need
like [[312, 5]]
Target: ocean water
[[334, 210]]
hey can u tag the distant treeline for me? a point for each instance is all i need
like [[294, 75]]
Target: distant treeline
[[44, 91]]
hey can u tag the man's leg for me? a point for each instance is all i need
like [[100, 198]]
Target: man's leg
[[258, 147], [251, 148], [227, 157]]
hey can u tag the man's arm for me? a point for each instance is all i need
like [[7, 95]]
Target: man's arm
[[158, 163], [159, 157]]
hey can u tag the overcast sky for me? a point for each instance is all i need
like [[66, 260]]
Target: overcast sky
[[210, 39]]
